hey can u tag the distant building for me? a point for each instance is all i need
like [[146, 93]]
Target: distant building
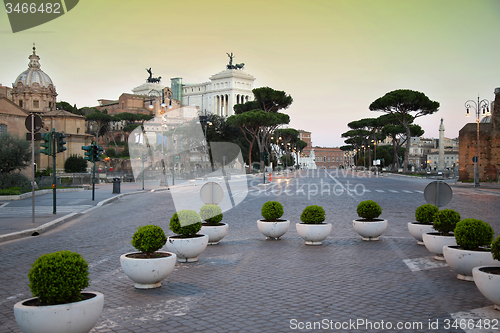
[[489, 145], [34, 91], [219, 95], [319, 157]]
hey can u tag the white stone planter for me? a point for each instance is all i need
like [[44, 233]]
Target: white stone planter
[[370, 230], [487, 284], [147, 273], [273, 230], [214, 233], [78, 317], [418, 229], [434, 242], [187, 249], [313, 234], [463, 261]]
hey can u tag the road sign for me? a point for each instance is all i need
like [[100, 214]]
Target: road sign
[[38, 136], [438, 193], [474, 159], [211, 193], [37, 125]]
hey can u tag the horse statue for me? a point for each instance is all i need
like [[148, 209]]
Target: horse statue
[[155, 79], [230, 65], [152, 79]]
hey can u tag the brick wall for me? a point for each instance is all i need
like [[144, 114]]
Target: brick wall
[[489, 146]]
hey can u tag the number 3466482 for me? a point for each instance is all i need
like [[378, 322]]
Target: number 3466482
[[33, 8]]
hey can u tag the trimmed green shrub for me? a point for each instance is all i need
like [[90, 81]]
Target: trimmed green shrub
[[148, 239], [369, 210], [191, 223], [445, 221], [471, 234], [43, 173], [272, 210], [111, 152], [495, 248], [8, 180], [212, 214], [58, 277], [425, 213], [75, 163], [313, 215]]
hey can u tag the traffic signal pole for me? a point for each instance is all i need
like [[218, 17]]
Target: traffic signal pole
[[93, 182], [53, 136]]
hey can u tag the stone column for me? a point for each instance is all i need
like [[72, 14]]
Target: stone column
[[441, 147]]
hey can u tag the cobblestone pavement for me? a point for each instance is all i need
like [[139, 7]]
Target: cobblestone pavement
[[250, 284]]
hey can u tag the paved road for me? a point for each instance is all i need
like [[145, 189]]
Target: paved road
[[249, 284]]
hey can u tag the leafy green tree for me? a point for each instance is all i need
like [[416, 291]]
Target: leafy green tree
[[397, 133], [129, 128], [15, 153], [401, 103], [62, 105], [259, 118], [75, 163]]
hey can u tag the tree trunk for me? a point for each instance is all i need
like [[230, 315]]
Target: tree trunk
[[407, 152]]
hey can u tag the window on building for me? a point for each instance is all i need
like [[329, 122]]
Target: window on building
[[3, 128], [21, 103], [123, 105], [36, 104]]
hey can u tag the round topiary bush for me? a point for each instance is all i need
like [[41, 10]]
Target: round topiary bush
[[58, 277], [313, 215], [272, 210], [445, 221], [471, 234], [185, 223], [495, 248], [369, 210], [148, 239], [425, 213], [212, 214]]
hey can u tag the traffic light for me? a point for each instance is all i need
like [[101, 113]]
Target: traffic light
[[89, 152], [97, 153], [46, 145], [61, 142]]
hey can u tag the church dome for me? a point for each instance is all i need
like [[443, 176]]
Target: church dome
[[34, 74]]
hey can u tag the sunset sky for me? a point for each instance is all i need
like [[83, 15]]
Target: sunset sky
[[333, 57]]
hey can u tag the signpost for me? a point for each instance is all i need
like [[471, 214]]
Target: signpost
[[33, 124], [438, 193]]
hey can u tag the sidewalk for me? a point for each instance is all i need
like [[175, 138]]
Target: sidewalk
[[16, 216]]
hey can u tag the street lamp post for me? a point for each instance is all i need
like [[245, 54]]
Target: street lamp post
[[483, 105], [364, 157]]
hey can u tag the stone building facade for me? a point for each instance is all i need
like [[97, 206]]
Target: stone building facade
[[489, 146], [220, 94], [34, 91]]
